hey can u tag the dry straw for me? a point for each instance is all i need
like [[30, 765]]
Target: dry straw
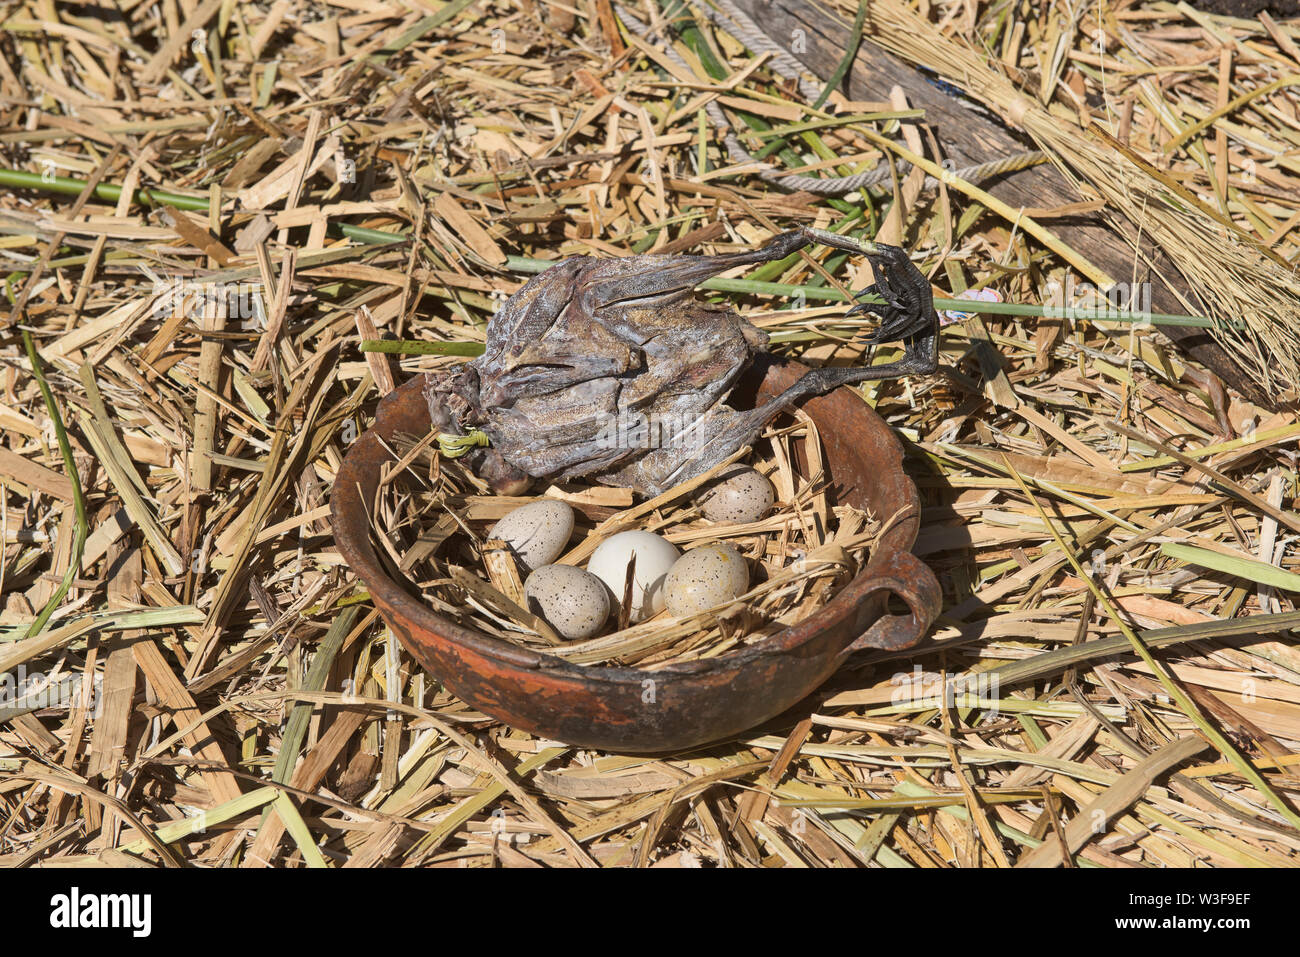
[[253, 710]]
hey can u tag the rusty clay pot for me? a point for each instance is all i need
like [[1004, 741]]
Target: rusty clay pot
[[682, 705]]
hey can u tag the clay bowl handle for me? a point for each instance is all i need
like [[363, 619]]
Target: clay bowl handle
[[906, 576]]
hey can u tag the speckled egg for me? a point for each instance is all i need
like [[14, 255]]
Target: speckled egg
[[654, 556], [573, 602], [536, 532], [739, 495], [703, 577]]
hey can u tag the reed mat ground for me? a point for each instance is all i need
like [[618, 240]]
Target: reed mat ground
[[209, 206]]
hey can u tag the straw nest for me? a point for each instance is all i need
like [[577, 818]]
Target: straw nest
[[191, 676], [434, 527]]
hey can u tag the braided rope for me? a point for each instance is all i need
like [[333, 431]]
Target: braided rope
[[786, 66]]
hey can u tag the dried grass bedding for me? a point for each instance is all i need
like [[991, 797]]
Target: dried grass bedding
[[435, 527]]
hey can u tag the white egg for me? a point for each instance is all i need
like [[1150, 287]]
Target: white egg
[[740, 494], [536, 532], [654, 556], [574, 602], [704, 577]]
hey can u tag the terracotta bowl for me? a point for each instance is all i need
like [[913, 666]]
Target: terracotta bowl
[[683, 705]]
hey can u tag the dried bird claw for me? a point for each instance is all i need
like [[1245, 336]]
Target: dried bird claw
[[908, 306]]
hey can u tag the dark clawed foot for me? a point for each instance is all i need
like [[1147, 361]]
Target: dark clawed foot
[[863, 308], [908, 308]]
